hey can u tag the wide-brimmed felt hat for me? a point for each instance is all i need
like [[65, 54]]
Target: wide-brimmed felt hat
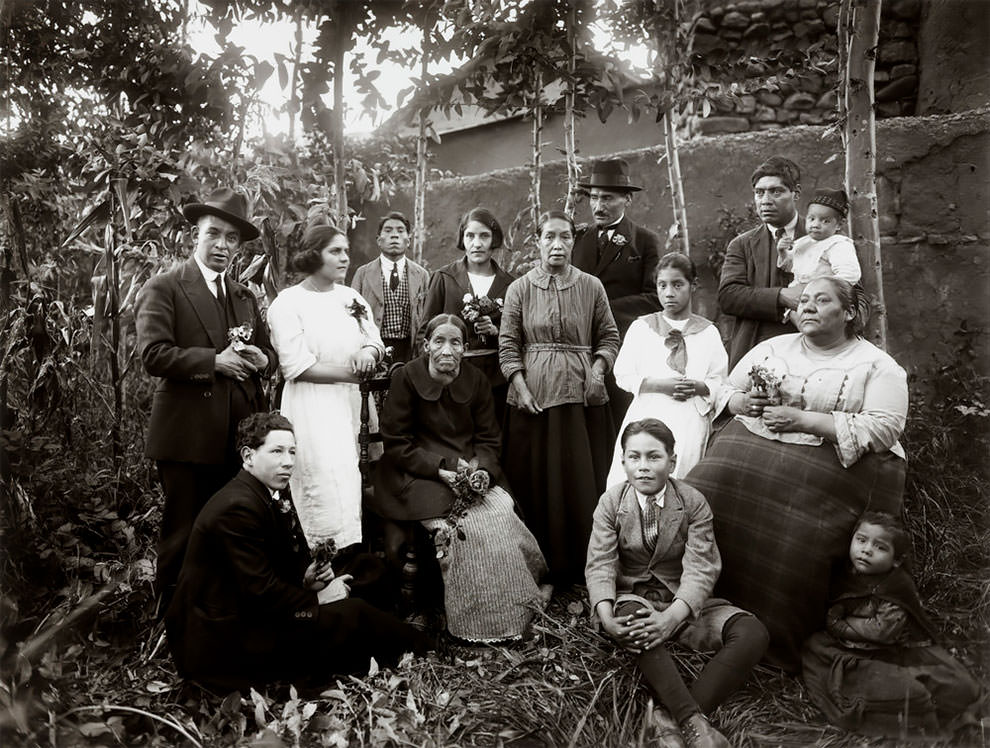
[[228, 205], [610, 174], [834, 199]]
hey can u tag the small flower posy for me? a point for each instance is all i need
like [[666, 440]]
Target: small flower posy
[[767, 381], [240, 336], [358, 311], [619, 240], [476, 307], [324, 551], [469, 487]]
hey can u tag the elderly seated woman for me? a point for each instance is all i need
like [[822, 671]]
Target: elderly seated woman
[[438, 419], [814, 444]]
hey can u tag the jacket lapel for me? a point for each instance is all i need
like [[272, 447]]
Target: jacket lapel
[[586, 248], [239, 302], [670, 521], [613, 250], [203, 303], [501, 283], [416, 280], [761, 255], [460, 276], [374, 285]]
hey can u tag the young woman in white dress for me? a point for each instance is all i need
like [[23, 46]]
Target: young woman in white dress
[[672, 362], [326, 340]]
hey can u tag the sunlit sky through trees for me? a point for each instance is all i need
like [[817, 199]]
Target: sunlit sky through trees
[[264, 40]]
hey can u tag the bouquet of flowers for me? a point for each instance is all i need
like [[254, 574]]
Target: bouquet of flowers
[[766, 381], [358, 311], [476, 307], [324, 552], [469, 487], [240, 336]]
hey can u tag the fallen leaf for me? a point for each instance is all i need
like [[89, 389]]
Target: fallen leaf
[[94, 729], [266, 739], [157, 686]]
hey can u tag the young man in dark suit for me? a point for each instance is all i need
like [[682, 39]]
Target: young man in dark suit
[[622, 255], [201, 333], [251, 605], [753, 287]]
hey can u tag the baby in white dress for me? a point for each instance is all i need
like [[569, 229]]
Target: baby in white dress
[[823, 252]]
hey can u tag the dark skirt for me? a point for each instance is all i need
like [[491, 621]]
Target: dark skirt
[[488, 364], [556, 463], [784, 516]]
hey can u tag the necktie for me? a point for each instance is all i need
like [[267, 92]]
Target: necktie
[[651, 523], [393, 279], [603, 240], [221, 299], [677, 359]]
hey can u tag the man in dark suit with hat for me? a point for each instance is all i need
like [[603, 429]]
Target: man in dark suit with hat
[[201, 333], [753, 286], [622, 255]]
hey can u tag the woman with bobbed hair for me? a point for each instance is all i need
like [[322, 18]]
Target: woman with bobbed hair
[[326, 340], [814, 444], [475, 275]]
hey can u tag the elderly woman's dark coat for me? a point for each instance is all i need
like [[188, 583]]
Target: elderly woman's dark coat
[[427, 426]]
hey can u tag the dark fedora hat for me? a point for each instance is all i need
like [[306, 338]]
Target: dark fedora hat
[[610, 174], [228, 205]]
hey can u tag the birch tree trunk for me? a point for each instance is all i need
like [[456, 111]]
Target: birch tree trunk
[[570, 143], [339, 172], [861, 149], [674, 177], [294, 89], [419, 204], [537, 169]]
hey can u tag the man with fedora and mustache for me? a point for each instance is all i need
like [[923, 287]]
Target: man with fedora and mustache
[[622, 255], [200, 332]]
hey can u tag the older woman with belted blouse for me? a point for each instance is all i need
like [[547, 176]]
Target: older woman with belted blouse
[[558, 339]]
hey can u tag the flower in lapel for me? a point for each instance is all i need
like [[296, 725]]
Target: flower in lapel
[[357, 311], [619, 240]]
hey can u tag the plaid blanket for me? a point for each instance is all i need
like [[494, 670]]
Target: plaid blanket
[[784, 515]]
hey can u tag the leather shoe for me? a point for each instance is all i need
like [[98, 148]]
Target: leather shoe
[[666, 733], [699, 733]]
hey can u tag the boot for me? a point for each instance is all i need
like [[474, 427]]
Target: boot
[[699, 733], [666, 733]]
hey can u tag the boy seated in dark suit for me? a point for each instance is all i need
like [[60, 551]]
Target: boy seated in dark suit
[[247, 608], [652, 565]]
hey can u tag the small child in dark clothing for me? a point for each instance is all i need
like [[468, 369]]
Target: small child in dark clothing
[[876, 669], [652, 564]]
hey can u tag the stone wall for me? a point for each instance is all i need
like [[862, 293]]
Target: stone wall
[[933, 189], [953, 47], [769, 29]]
